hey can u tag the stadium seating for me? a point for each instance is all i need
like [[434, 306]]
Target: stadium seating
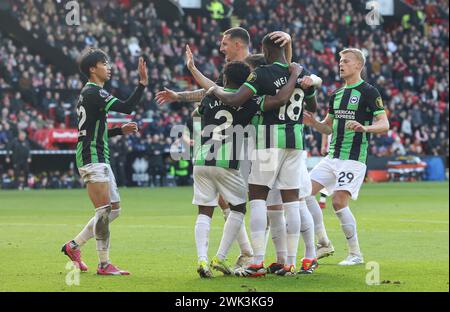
[[406, 61]]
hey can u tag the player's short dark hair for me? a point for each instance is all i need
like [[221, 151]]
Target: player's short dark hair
[[270, 43], [236, 72], [90, 59], [255, 60], [238, 33]]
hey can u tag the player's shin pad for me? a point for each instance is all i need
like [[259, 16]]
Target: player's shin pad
[[101, 227]]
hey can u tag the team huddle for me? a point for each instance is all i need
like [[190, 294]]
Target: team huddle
[[247, 143]]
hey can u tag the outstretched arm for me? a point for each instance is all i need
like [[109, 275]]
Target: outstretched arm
[[230, 98], [168, 96], [129, 105], [201, 79], [128, 128]]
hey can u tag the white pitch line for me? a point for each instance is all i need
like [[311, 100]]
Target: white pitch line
[[423, 221]]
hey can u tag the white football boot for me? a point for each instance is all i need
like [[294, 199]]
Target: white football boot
[[243, 261], [352, 259], [324, 250]]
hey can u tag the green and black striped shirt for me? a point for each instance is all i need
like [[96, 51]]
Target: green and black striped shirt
[[222, 129], [283, 127], [359, 102], [93, 105]]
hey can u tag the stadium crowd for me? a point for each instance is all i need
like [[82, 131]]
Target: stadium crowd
[[407, 62]]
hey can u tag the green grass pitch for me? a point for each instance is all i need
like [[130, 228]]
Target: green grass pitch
[[404, 227]]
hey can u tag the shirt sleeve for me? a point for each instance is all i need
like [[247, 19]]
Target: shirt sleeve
[[375, 102], [255, 81], [127, 106], [96, 99]]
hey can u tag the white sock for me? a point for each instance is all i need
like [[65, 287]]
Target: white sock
[[114, 214], [258, 225], [88, 231], [319, 227], [102, 234], [322, 199], [279, 234], [348, 224], [293, 223], [244, 241], [267, 233], [231, 230], [202, 227], [242, 238], [307, 231]]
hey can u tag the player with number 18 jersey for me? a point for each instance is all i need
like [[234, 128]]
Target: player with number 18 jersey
[[280, 131]]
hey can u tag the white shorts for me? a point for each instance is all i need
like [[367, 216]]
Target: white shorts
[[101, 173], [274, 197], [340, 175], [305, 179], [276, 168], [209, 182]]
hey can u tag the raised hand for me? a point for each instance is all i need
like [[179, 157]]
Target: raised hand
[[166, 97], [189, 58], [129, 128], [143, 73]]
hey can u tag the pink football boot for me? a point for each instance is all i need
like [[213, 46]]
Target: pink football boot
[[111, 270], [74, 254]]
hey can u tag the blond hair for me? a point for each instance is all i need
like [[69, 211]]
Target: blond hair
[[357, 52]]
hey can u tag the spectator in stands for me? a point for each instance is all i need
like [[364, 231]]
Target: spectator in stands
[[409, 62], [118, 151], [155, 152], [4, 136], [20, 158]]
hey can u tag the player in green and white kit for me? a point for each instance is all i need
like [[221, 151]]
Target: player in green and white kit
[[355, 111], [235, 46], [92, 155], [217, 161], [279, 149]]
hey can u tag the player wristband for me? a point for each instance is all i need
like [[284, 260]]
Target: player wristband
[[316, 80]]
